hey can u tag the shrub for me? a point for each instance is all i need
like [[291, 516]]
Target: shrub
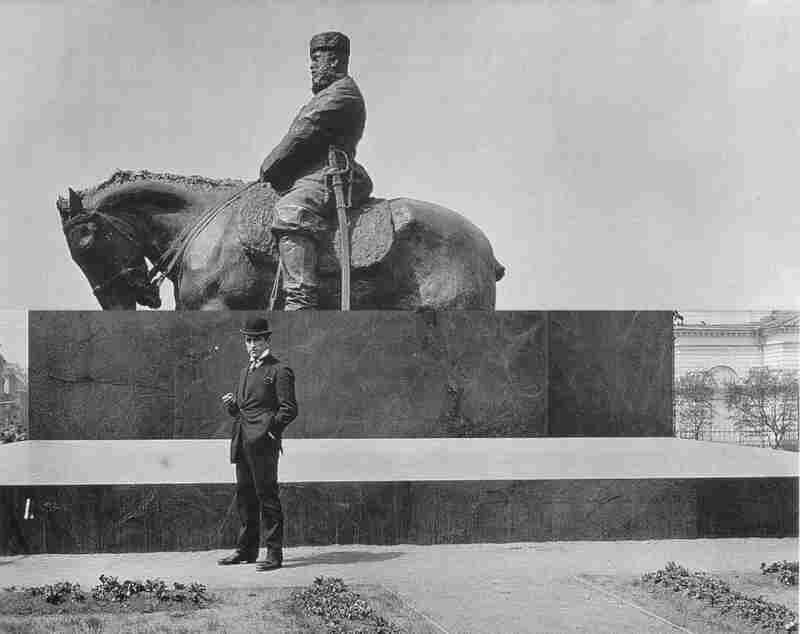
[[787, 571], [110, 589], [717, 593], [335, 604]]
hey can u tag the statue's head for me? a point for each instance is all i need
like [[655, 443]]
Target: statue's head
[[330, 54], [110, 254]]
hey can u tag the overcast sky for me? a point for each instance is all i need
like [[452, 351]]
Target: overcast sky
[[617, 155], [14, 336]]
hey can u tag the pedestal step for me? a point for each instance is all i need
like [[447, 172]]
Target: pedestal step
[[110, 496]]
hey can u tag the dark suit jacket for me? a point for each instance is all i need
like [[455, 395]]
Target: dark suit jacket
[[265, 403], [334, 116]]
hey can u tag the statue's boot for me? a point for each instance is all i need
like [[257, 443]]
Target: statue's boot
[[299, 261]]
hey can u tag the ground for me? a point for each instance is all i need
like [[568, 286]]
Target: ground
[[692, 614], [520, 587], [232, 610]]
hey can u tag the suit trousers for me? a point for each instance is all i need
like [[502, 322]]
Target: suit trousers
[[257, 496]]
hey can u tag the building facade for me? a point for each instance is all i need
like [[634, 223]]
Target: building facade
[[728, 344], [13, 401]]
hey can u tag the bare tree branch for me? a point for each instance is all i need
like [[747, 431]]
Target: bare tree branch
[[694, 404], [765, 403]]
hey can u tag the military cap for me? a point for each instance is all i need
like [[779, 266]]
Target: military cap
[[332, 41], [256, 327]]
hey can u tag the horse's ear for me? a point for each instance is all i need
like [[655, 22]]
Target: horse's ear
[[75, 202], [62, 204], [70, 206]]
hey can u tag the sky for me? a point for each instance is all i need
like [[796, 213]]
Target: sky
[[618, 155], [14, 336]]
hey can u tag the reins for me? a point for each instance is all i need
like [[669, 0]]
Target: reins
[[177, 248]]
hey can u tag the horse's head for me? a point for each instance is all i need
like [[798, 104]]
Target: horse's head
[[111, 254]]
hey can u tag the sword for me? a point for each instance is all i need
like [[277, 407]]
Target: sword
[[341, 212]]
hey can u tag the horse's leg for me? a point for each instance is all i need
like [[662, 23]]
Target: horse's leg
[[235, 289], [196, 302], [196, 293]]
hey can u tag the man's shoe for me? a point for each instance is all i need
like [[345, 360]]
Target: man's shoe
[[237, 558], [273, 561]]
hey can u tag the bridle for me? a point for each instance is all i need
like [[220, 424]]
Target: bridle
[[129, 233], [169, 260]]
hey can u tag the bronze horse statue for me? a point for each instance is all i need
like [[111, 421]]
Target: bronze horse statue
[[405, 254]]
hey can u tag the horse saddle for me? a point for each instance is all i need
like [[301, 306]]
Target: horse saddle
[[371, 231]]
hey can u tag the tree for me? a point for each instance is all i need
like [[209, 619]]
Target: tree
[[694, 404], [765, 403], [11, 424]]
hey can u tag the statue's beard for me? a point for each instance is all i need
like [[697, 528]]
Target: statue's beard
[[324, 77]]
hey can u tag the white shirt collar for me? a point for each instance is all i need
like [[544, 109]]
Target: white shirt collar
[[258, 362]]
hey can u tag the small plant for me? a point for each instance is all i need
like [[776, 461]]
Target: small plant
[[111, 590], [717, 593], [787, 571], [59, 592], [335, 604]]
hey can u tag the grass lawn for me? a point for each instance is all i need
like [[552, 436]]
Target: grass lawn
[[230, 610], [692, 614]]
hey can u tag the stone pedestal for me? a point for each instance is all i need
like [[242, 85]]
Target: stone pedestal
[[98, 375]]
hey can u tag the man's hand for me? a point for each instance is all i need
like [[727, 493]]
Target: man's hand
[[230, 402]]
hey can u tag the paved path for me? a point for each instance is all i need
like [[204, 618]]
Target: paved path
[[523, 587]]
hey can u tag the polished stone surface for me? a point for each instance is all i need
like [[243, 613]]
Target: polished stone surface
[[359, 374], [102, 374], [368, 375], [98, 375], [610, 373], [187, 517]]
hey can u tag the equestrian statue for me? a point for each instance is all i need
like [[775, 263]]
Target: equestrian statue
[[306, 234]]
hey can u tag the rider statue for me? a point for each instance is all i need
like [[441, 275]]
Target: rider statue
[[327, 129]]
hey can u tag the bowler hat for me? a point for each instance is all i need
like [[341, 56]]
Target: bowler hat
[[330, 40], [256, 326]]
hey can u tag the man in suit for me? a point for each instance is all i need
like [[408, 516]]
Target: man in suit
[[264, 404], [298, 167]]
